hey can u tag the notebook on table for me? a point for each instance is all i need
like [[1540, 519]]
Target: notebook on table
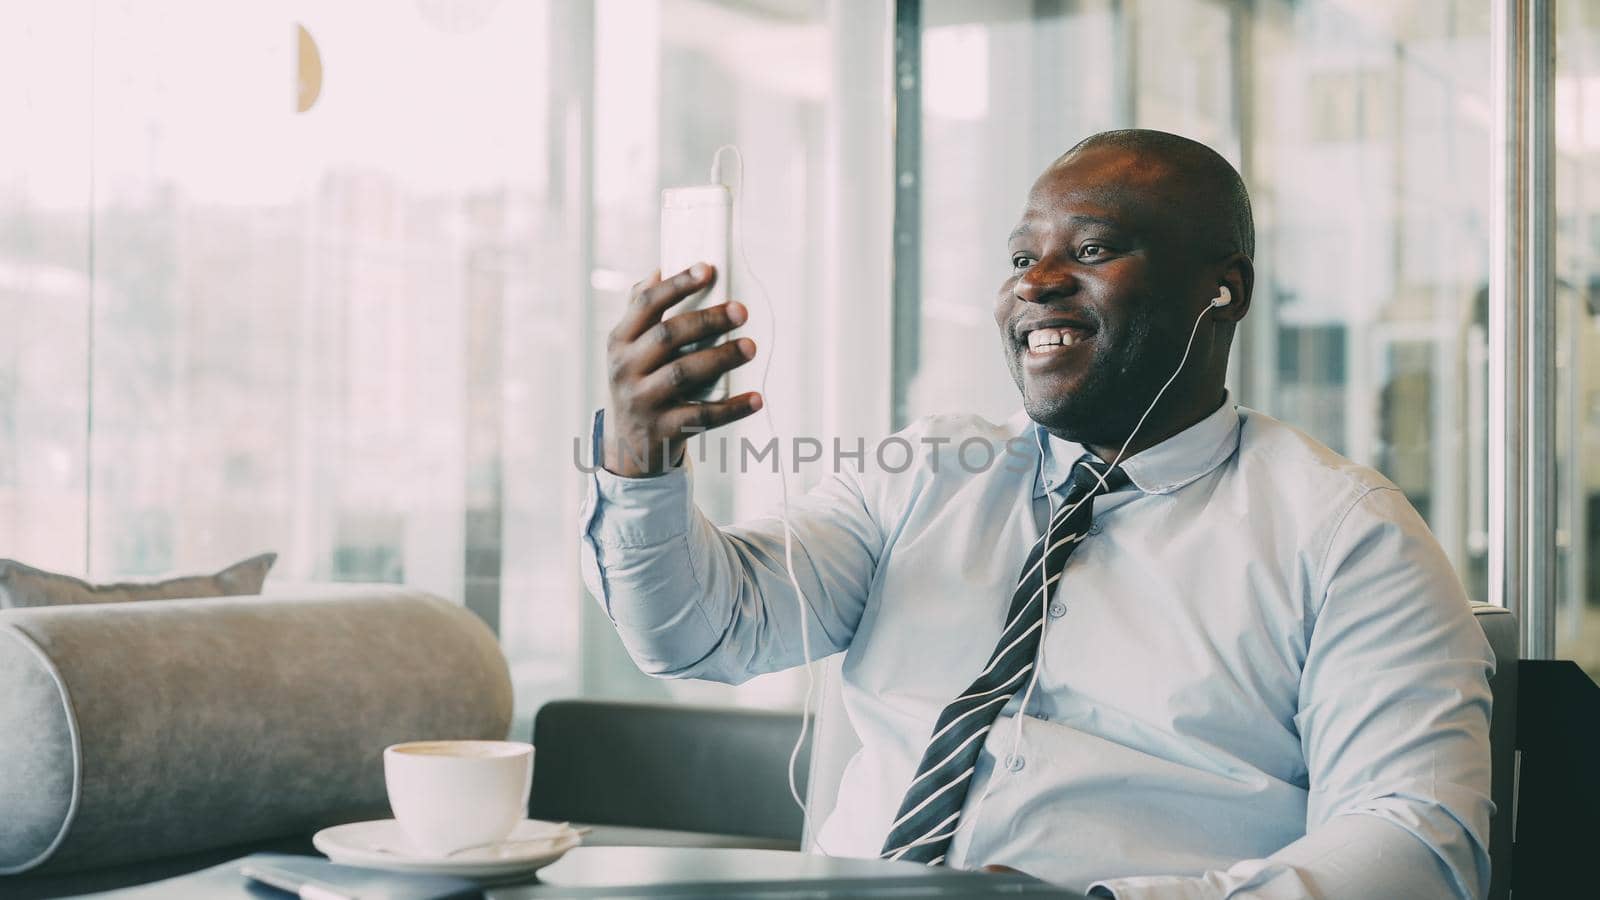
[[229, 882]]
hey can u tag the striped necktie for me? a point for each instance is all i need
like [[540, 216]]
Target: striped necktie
[[928, 815]]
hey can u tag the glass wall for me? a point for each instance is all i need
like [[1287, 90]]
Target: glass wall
[[45, 285], [1577, 250], [1362, 130], [297, 277], [800, 87], [333, 279]]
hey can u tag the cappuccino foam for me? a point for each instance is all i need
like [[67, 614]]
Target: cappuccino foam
[[463, 749]]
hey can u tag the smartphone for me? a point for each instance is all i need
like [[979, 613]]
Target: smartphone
[[697, 226]]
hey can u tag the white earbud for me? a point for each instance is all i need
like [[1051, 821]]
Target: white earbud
[[1223, 298]]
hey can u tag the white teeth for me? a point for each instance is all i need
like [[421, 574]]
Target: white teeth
[[1040, 338]]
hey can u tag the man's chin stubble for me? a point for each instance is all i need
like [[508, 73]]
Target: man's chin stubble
[[1086, 415]]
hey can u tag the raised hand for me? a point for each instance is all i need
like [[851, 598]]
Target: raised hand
[[653, 410]]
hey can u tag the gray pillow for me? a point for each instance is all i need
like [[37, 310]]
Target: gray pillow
[[24, 586]]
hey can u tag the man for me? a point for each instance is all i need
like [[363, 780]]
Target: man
[[1247, 669]]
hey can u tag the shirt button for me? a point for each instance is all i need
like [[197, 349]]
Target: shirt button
[[1058, 609], [1094, 529], [1015, 763]]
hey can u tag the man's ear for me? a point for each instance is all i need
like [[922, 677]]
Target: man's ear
[[1239, 274]]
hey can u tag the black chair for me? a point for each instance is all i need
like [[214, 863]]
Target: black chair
[[719, 773], [1558, 783]]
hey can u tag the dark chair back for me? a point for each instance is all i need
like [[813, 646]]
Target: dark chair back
[[682, 768]]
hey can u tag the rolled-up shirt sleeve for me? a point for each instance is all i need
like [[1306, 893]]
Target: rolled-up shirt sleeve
[[1394, 723], [691, 600]]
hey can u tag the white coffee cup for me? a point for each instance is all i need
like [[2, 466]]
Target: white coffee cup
[[450, 795]]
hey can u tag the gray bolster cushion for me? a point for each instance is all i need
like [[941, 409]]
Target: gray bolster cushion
[[135, 731]]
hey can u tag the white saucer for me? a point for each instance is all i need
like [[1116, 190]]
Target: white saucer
[[380, 844]]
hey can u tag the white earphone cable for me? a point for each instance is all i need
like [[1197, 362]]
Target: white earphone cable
[[1044, 578], [783, 477]]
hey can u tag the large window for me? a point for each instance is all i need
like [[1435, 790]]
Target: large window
[[801, 88], [1363, 132], [333, 279], [300, 278], [1577, 296]]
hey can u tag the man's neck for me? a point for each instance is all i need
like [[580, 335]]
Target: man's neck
[[1156, 433]]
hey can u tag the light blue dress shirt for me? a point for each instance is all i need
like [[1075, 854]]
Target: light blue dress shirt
[[1258, 676]]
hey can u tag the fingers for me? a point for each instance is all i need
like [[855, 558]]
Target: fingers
[[666, 338], [692, 418], [657, 369], [654, 296], [684, 376]]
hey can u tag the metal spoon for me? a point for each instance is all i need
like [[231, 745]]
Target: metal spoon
[[570, 832]]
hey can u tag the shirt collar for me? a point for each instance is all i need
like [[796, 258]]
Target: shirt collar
[[1161, 469]]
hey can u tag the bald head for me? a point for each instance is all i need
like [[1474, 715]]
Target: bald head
[[1208, 189]]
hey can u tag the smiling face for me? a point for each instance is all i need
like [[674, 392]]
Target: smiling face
[[1103, 291]]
